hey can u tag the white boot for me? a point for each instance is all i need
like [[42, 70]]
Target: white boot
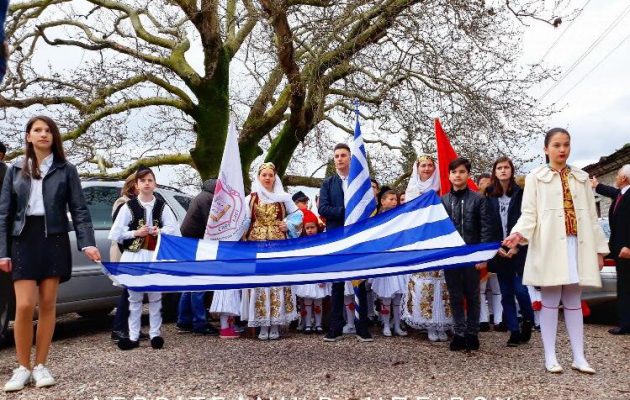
[[397, 312], [433, 335], [264, 333]]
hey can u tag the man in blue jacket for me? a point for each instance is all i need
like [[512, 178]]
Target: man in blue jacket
[[331, 207]]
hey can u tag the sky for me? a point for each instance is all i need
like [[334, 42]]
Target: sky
[[596, 111]]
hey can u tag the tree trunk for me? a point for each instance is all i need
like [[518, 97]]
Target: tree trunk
[[212, 117]]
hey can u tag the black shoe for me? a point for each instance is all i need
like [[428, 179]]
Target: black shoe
[[117, 335], [514, 340], [537, 328], [500, 327], [207, 330], [364, 336], [157, 342], [128, 344], [184, 328], [308, 330], [319, 330], [143, 336], [526, 331], [472, 342], [484, 327], [619, 331], [333, 336], [458, 343]]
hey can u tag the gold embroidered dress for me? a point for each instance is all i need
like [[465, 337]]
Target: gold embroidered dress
[[269, 305]]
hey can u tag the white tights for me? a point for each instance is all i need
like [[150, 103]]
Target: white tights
[[572, 308], [313, 306]]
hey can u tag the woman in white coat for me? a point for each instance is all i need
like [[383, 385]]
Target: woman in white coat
[[566, 245]]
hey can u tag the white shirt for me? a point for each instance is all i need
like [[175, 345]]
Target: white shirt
[[36, 201], [344, 183], [504, 205], [624, 189], [120, 229]]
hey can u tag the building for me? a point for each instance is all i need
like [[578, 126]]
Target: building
[[605, 170]]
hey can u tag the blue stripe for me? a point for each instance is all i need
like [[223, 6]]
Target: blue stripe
[[294, 265]]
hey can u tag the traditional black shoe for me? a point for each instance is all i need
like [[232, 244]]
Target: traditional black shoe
[[157, 342], [117, 335], [319, 330], [458, 343], [500, 327], [333, 336], [144, 336], [308, 330], [128, 344], [207, 330], [472, 342], [514, 340], [364, 336], [184, 328], [526, 331], [618, 331], [484, 327]]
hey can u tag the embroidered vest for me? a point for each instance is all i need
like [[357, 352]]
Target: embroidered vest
[[138, 221]]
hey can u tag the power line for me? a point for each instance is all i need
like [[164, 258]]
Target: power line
[[594, 68], [593, 45], [563, 32]]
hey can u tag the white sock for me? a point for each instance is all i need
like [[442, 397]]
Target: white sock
[[318, 312], [349, 301], [574, 321], [386, 310], [550, 297], [274, 329], [483, 305], [308, 307], [497, 307], [225, 321], [264, 330]]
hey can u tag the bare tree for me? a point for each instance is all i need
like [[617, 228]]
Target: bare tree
[[159, 79]]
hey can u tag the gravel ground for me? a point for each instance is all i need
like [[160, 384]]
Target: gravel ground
[[88, 366]]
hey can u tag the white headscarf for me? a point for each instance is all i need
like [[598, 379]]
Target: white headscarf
[[277, 196], [416, 187]]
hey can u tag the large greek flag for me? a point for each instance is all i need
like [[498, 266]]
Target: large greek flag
[[416, 236]]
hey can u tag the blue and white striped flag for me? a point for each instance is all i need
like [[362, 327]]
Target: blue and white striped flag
[[416, 236], [358, 197]]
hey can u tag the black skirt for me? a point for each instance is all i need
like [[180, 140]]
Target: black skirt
[[36, 257]]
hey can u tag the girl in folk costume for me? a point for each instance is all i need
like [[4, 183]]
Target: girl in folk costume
[[390, 289], [269, 206], [136, 227], [38, 193], [566, 245], [312, 293], [426, 301]]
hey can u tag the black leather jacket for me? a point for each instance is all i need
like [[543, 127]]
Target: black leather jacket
[[469, 212], [61, 188]]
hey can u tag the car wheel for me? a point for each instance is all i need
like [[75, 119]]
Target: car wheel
[[7, 306], [96, 313]]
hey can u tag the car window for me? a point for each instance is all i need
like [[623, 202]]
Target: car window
[[100, 200], [184, 201]]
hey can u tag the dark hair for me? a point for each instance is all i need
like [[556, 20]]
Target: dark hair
[[31, 168], [485, 175], [387, 193], [453, 165], [341, 146], [550, 134], [495, 186], [375, 182], [144, 171], [3, 148]]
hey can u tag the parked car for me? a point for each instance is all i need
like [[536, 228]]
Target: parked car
[[608, 291], [90, 293]]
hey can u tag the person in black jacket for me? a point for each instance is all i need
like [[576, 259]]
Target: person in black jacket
[[468, 210], [504, 206], [331, 207], [192, 310], [36, 195], [619, 242]]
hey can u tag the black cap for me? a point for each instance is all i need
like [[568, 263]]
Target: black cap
[[299, 196]]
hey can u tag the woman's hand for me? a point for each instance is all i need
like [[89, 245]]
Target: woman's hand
[[6, 266], [92, 253], [600, 261], [283, 226], [624, 253], [513, 251], [503, 253], [142, 232], [594, 182], [513, 240]]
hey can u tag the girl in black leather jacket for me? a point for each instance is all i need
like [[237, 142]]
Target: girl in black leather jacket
[[34, 243]]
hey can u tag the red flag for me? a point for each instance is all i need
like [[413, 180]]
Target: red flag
[[445, 155]]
